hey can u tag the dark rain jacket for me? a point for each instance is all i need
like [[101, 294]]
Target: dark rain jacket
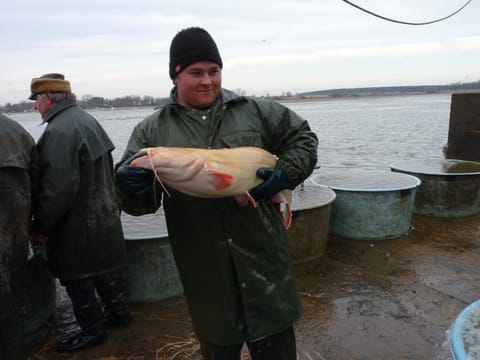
[[17, 178], [233, 261], [75, 205]]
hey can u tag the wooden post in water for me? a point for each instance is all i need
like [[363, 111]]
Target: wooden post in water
[[464, 128]]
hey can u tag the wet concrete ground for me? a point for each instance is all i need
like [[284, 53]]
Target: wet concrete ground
[[389, 299]]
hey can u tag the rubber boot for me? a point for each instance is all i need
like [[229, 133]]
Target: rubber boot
[[114, 300], [87, 337], [280, 346], [89, 314]]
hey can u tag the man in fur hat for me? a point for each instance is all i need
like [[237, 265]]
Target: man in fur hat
[[75, 211]]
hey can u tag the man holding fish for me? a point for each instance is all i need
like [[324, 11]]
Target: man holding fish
[[208, 148]]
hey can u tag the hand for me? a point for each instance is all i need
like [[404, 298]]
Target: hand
[[275, 180], [134, 180]]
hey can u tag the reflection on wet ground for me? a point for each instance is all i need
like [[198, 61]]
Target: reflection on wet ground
[[388, 299]]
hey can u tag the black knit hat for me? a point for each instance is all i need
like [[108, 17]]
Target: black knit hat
[[189, 46]]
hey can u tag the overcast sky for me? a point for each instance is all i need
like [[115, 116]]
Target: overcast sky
[[114, 48]]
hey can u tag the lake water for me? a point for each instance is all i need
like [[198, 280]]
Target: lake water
[[362, 133]]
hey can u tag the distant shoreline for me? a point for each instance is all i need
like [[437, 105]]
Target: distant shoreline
[[335, 94], [305, 98]]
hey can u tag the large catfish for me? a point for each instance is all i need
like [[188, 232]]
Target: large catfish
[[214, 173]]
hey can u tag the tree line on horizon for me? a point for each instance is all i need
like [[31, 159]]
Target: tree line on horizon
[[94, 102], [396, 89]]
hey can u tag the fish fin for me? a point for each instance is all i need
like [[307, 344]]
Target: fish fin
[[241, 200], [244, 200], [251, 200], [282, 205], [282, 202], [220, 179]]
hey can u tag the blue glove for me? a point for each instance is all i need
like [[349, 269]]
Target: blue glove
[[134, 180], [275, 180]]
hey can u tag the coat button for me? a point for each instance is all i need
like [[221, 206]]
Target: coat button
[[243, 285]]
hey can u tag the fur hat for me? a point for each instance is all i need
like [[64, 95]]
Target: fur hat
[[52, 82], [189, 46]]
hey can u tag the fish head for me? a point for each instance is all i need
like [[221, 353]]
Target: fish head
[[157, 157], [170, 163]]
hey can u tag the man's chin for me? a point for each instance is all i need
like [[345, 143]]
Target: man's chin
[[204, 102]]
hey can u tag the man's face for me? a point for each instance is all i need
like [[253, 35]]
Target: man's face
[[199, 84], [43, 103]]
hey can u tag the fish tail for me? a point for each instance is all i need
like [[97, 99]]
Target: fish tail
[[245, 199]]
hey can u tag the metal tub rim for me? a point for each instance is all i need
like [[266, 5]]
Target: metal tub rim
[[415, 184], [161, 236], [331, 199], [400, 166]]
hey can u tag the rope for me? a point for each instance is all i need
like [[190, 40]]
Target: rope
[[406, 22]]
